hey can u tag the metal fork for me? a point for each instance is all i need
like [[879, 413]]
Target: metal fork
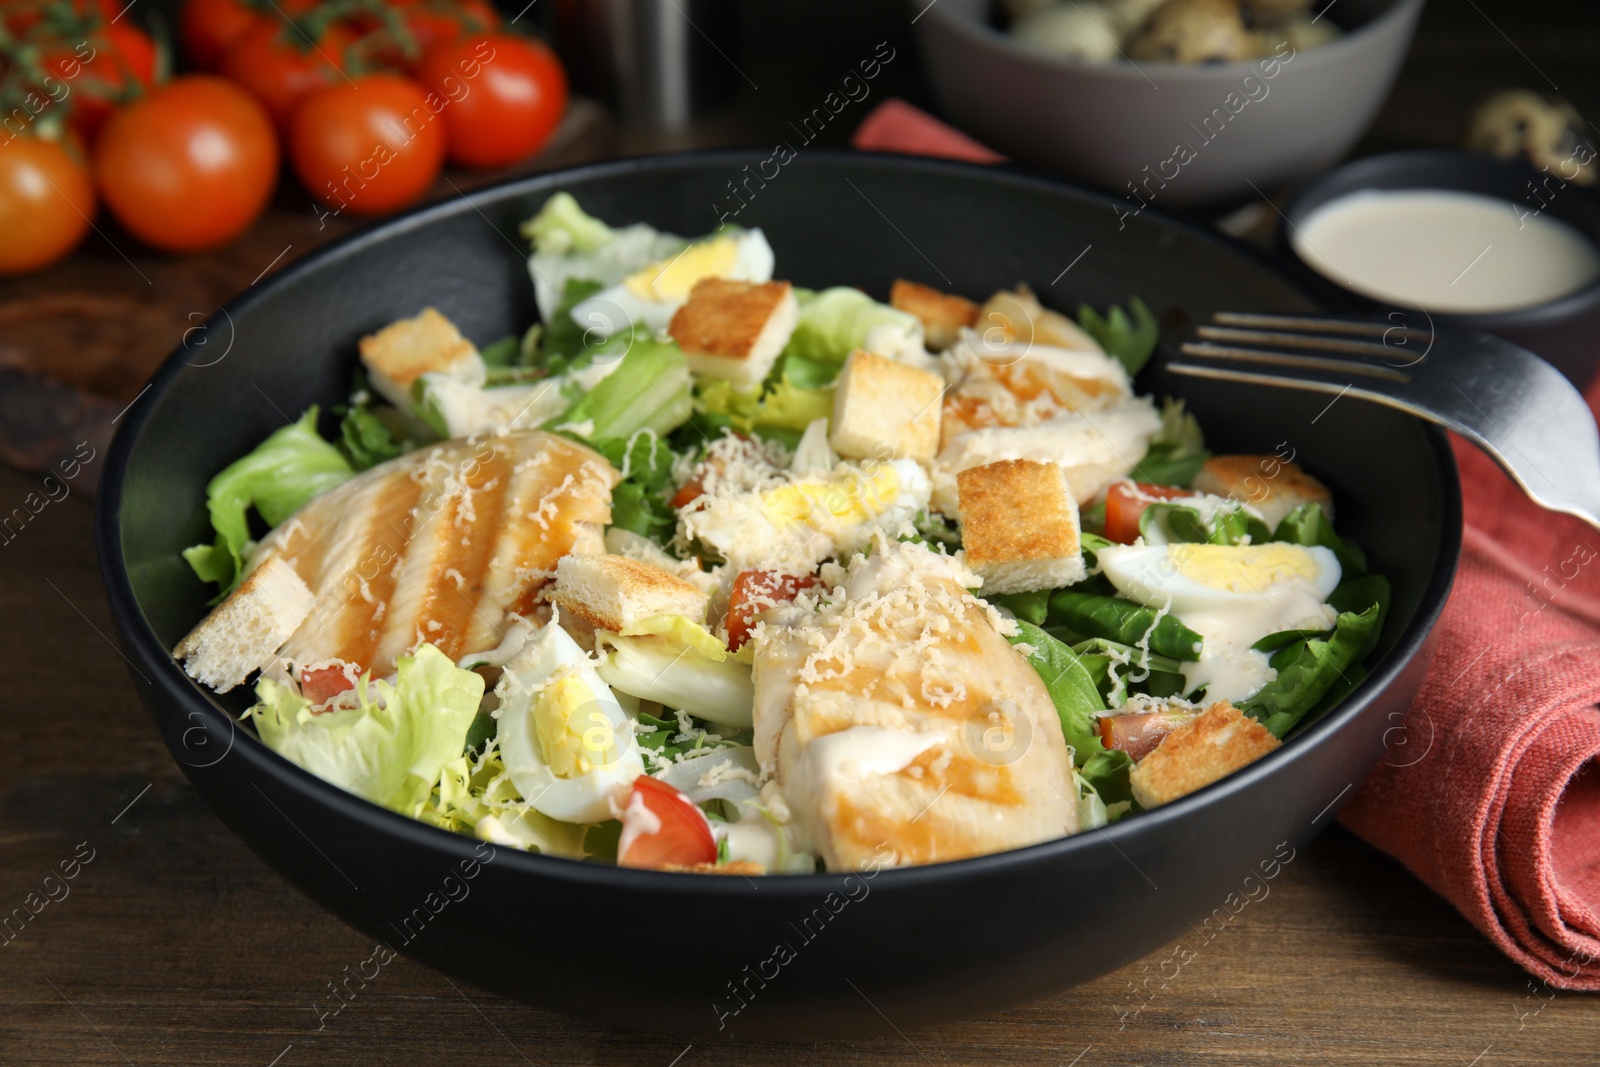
[[1504, 399]]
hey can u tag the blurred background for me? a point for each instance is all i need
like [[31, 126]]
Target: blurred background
[[138, 192]]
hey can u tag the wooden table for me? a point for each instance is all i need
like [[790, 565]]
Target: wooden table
[[175, 945]]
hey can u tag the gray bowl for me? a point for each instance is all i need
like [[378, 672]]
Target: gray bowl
[[1248, 127]]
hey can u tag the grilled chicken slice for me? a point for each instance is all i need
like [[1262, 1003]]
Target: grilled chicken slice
[[440, 545], [901, 726]]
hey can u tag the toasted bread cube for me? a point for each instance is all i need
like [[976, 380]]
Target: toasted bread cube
[[615, 592], [400, 353], [1207, 748], [1267, 483], [943, 314], [885, 410], [1019, 526], [735, 330], [243, 631]]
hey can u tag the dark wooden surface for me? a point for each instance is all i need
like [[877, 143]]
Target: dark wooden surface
[[175, 945]]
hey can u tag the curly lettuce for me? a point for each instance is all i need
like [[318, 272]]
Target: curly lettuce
[[277, 478], [393, 746]]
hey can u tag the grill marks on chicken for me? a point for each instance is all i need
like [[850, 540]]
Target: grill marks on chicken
[[440, 545], [900, 717]]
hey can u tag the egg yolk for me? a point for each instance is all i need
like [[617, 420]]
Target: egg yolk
[[673, 279], [574, 733], [853, 498], [1242, 568]]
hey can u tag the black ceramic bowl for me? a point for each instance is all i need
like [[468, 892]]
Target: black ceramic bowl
[[806, 956], [1566, 332]]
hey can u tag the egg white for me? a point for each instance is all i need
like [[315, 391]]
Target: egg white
[[619, 308], [551, 654], [1229, 621]]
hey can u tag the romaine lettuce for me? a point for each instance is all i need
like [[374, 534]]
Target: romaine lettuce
[[1129, 341], [835, 322], [1071, 689], [277, 477], [648, 390], [782, 407], [392, 748], [1177, 451], [561, 226]]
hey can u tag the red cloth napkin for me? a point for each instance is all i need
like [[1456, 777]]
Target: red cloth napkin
[[1490, 792]]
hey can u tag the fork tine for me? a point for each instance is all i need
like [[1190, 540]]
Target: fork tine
[[1295, 340], [1205, 350], [1307, 323]]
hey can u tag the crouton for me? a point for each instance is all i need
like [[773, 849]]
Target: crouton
[[1207, 748], [615, 592], [885, 409], [1019, 526], [943, 315], [1267, 483], [243, 631], [735, 330], [400, 353]]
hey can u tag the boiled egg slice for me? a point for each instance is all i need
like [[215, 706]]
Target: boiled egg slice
[[802, 520], [652, 295], [1232, 595], [567, 744]]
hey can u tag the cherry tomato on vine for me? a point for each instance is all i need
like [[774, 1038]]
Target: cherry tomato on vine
[[208, 29], [188, 166], [369, 146], [433, 23], [120, 59], [46, 202], [277, 65], [507, 95], [20, 16]]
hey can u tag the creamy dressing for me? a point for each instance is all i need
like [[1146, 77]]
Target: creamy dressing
[[1228, 667], [1446, 251], [866, 750]]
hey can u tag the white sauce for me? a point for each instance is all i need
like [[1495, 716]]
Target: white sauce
[[865, 750], [1446, 251], [1228, 667]]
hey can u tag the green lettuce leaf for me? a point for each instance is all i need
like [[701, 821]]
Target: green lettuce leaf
[[1307, 671], [1106, 772], [1129, 340], [1071, 689], [649, 391], [561, 226], [1177, 523], [780, 407], [1124, 622], [367, 440], [1030, 607], [277, 477], [835, 322], [1308, 525], [563, 341], [392, 748], [640, 502], [1176, 452]]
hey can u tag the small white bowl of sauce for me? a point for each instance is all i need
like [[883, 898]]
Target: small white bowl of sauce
[[1499, 246]]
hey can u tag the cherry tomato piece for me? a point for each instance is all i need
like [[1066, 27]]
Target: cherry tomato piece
[[324, 683], [755, 592], [662, 827], [1125, 504]]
